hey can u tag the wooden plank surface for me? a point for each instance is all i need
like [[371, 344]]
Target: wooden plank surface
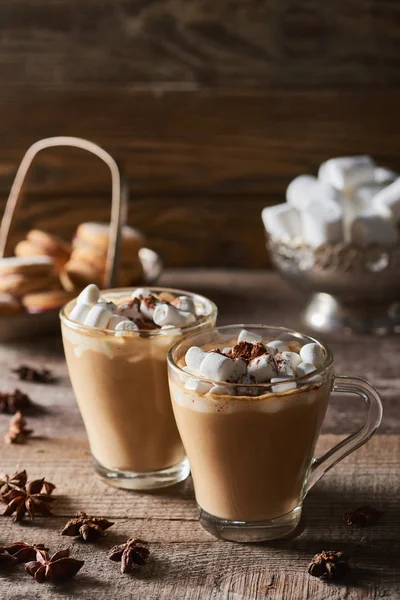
[[204, 43], [187, 563]]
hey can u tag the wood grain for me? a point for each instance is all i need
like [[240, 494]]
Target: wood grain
[[183, 45], [186, 562]]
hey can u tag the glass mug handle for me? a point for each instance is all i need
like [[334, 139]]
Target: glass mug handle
[[365, 390]]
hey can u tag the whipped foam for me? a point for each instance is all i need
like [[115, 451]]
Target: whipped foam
[[267, 403]]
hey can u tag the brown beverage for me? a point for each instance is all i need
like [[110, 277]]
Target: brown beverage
[[249, 456], [121, 386], [249, 405]]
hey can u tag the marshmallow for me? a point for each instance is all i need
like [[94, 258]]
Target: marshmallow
[[86, 299], [247, 391], [361, 200], [293, 358], [306, 189], [201, 387], [347, 172], [304, 368], [140, 292], [226, 350], [262, 368], [222, 390], [384, 175], [98, 316], [194, 357], [321, 223], [148, 305], [240, 369], [89, 295], [217, 367], [166, 314], [184, 303], [129, 310], [370, 228], [125, 328], [281, 221], [277, 345], [312, 353], [79, 312], [387, 201], [115, 320], [247, 336], [165, 330], [284, 367], [282, 387]]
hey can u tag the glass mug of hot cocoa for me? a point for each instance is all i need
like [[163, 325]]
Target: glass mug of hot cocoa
[[116, 345], [249, 402]]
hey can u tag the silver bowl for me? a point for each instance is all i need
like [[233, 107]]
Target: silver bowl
[[352, 288]]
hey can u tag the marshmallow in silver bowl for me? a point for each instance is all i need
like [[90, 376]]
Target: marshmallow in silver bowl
[[351, 201]]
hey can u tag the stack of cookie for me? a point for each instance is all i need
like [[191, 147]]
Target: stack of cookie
[[40, 243], [88, 258], [30, 283]]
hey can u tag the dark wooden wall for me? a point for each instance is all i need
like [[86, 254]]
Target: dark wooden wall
[[212, 105]]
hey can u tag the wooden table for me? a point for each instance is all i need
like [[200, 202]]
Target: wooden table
[[187, 563]]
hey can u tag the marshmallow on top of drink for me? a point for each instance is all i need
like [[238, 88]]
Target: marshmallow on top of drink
[[351, 200], [251, 361], [144, 310]]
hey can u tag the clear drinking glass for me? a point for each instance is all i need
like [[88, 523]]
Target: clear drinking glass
[[252, 454], [121, 387]]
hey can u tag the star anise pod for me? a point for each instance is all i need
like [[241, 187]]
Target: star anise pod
[[58, 567], [6, 559], [27, 373], [30, 499], [17, 430], [8, 482], [362, 516], [22, 552], [87, 527], [11, 402], [329, 565], [132, 553]]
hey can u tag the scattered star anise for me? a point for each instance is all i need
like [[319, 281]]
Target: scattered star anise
[[6, 559], [17, 431], [8, 482], [329, 565], [87, 527], [55, 568], [30, 499], [22, 552], [362, 516], [27, 373], [132, 553], [11, 402]]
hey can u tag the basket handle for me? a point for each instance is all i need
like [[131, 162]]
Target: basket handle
[[119, 197]]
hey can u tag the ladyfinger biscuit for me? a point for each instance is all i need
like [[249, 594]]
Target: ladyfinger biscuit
[[76, 275], [31, 266], [9, 305], [39, 243], [97, 257], [98, 234], [42, 301], [27, 248], [19, 285], [53, 244]]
